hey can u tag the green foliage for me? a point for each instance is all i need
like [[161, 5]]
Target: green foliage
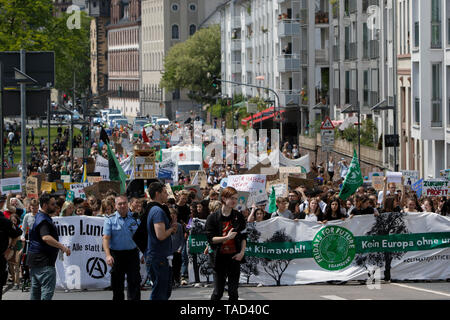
[[188, 63], [30, 25], [367, 137]]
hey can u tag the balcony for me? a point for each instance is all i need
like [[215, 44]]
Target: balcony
[[374, 49], [436, 113], [288, 63], [322, 56], [336, 53], [236, 45], [236, 67], [288, 28], [289, 98], [353, 53], [322, 17]]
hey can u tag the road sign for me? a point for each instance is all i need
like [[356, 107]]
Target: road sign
[[327, 140], [327, 124]]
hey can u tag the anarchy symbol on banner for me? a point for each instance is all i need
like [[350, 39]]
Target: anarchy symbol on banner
[[96, 267]]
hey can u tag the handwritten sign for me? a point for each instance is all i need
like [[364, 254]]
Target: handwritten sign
[[377, 182], [248, 182], [435, 188], [102, 166], [78, 189], [32, 187], [410, 177]]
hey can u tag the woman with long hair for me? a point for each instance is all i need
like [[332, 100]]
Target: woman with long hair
[[312, 212], [333, 211]]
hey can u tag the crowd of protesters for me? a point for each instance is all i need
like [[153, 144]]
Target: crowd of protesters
[[320, 204]]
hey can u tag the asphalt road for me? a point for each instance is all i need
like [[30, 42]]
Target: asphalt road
[[349, 291]]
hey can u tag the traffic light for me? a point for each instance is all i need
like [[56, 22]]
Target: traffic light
[[215, 82], [65, 98]]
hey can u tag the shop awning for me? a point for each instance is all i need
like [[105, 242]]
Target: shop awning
[[261, 116]]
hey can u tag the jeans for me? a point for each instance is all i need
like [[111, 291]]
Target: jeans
[[185, 260], [43, 283], [161, 276]]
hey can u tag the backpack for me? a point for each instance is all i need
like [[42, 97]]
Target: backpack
[[140, 237]]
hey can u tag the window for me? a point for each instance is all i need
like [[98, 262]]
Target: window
[[416, 34], [192, 29], [176, 94], [435, 24], [174, 7], [436, 104], [193, 7], [175, 32]]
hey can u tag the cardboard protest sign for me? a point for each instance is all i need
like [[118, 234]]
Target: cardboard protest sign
[[375, 174], [242, 200], [94, 179], [294, 182], [435, 188], [378, 182], [169, 191], [202, 179], [46, 186], [98, 189], [280, 186], [65, 178], [32, 187], [257, 196]]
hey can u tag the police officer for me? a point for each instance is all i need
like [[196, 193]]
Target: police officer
[[8, 237], [121, 251]]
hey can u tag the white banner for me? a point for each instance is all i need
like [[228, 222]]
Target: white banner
[[102, 166], [412, 246], [9, 185], [86, 267]]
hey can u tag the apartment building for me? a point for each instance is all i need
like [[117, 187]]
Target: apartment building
[[430, 71], [282, 45], [123, 56], [164, 24]]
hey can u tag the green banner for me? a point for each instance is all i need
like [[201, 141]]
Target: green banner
[[364, 244]]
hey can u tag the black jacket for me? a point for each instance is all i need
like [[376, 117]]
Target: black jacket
[[214, 229]]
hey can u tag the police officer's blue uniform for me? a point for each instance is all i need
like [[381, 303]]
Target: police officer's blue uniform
[[126, 255]]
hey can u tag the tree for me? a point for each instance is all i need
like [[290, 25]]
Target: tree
[[30, 25], [385, 224], [250, 267], [276, 268], [187, 65]]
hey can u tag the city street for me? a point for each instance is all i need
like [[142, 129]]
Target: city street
[[439, 290]]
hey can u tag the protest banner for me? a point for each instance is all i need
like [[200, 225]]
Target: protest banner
[[86, 267], [11, 185], [94, 179], [280, 186], [294, 182], [406, 246], [32, 187], [445, 174], [435, 188], [102, 166], [247, 182], [375, 174]]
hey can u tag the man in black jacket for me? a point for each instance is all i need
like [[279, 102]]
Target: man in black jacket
[[227, 240]]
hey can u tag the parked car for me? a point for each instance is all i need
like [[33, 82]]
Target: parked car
[[162, 122], [120, 122]]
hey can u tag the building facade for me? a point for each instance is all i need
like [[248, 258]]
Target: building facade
[[164, 24], [124, 56], [431, 85]]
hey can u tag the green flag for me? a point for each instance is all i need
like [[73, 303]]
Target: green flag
[[353, 180], [116, 172], [272, 201]]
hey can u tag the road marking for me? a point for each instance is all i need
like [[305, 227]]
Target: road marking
[[333, 298], [420, 289]]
